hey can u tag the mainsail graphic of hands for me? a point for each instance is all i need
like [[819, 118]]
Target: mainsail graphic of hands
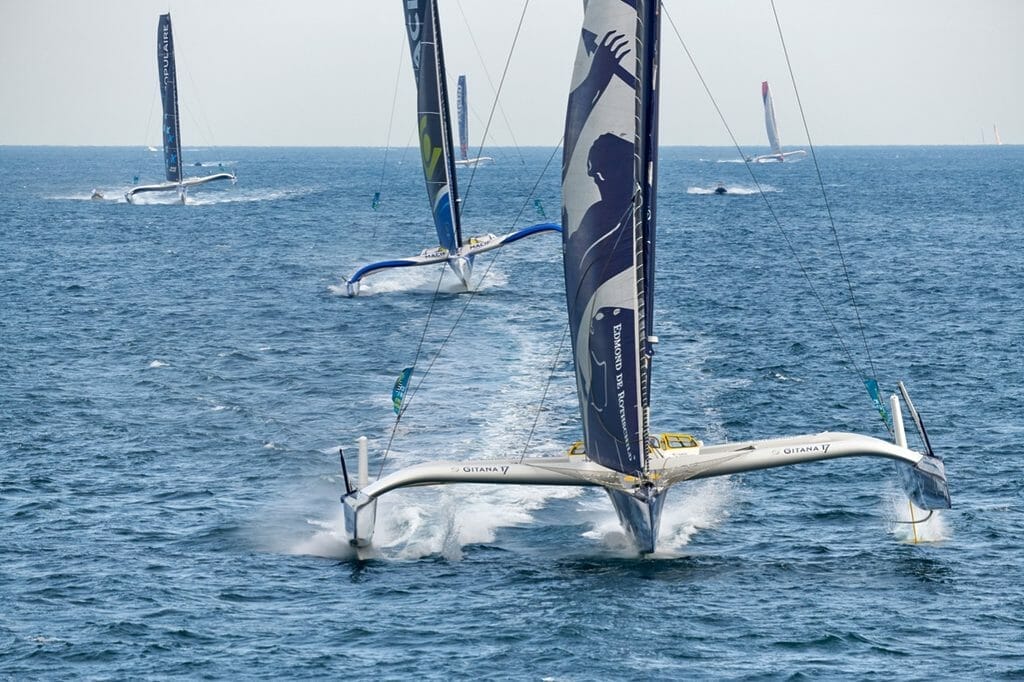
[[606, 62]]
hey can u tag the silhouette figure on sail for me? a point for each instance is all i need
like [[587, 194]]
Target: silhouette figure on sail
[[609, 220], [605, 63], [610, 402]]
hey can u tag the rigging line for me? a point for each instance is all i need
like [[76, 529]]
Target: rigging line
[[444, 342], [544, 395], [416, 357], [540, 177], [391, 123], [149, 118], [497, 95], [764, 197], [407, 147], [490, 82], [824, 194], [199, 115]]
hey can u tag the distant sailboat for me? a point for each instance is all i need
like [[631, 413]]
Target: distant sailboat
[[609, 173], [773, 132], [463, 115], [167, 75], [437, 154], [995, 130]]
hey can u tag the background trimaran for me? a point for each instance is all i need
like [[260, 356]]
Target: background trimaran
[[170, 129], [462, 109], [772, 128], [434, 128], [609, 191]]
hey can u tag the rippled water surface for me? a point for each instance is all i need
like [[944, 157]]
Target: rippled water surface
[[175, 382]]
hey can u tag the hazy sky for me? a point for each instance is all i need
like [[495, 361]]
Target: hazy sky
[[323, 72]]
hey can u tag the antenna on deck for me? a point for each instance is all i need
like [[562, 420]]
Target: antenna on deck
[[344, 471]]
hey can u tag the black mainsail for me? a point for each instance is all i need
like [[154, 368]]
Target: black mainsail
[[433, 119], [167, 73], [437, 153]]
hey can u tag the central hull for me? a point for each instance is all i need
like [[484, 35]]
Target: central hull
[[640, 516]]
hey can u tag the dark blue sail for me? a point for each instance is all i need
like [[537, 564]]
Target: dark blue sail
[[433, 118], [608, 180], [168, 78]]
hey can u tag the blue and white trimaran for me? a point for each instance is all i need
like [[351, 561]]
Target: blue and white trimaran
[[462, 110], [171, 128], [773, 132], [433, 123], [609, 190]]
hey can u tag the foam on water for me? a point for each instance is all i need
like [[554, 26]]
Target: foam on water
[[194, 197], [147, 535], [693, 507], [906, 523], [414, 523], [689, 508], [236, 195], [328, 540], [731, 190]]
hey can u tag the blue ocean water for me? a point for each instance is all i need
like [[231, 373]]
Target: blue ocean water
[[175, 382]]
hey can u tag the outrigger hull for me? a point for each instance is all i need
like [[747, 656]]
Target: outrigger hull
[[776, 157]]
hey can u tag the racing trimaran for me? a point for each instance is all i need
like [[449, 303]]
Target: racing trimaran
[[433, 122], [608, 212], [773, 132], [171, 128]]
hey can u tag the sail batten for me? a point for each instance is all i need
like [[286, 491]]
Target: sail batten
[[434, 119], [168, 78], [608, 181]]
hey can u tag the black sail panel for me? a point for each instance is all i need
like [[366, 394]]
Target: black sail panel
[[170, 130], [433, 119]]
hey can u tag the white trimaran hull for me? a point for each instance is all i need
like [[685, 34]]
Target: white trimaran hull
[[179, 187], [637, 503]]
